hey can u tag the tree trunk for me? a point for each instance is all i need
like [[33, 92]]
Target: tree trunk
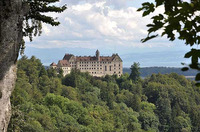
[[11, 19]]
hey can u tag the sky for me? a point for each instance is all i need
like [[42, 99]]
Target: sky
[[111, 26]]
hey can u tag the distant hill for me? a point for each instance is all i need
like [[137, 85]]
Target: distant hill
[[147, 71]]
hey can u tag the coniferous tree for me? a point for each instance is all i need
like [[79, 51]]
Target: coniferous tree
[[135, 73]]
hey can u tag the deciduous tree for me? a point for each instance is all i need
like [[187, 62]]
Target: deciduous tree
[[18, 18], [180, 20]]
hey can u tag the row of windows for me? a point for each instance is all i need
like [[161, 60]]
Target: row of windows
[[93, 63], [96, 65], [95, 72], [65, 68], [98, 68], [101, 72], [89, 68], [90, 65], [86, 62]]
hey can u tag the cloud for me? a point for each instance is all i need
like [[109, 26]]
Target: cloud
[[114, 3], [96, 25]]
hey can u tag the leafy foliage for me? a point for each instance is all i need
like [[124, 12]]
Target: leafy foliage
[[37, 14], [179, 21], [43, 101]]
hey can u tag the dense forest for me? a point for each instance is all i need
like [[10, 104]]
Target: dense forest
[[148, 71], [44, 101]]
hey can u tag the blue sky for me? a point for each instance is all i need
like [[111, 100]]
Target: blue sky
[[112, 26]]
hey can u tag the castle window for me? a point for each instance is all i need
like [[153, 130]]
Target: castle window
[[105, 68], [119, 72], [110, 68], [119, 64], [114, 65]]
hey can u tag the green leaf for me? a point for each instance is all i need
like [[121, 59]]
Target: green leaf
[[197, 84], [184, 69], [150, 25], [188, 54], [158, 17], [159, 2], [140, 9], [194, 59], [194, 66], [197, 78], [145, 13], [148, 38]]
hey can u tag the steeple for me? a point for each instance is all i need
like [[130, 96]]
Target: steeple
[[98, 55]]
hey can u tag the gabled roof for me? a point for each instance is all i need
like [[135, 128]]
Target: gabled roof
[[85, 58], [106, 58], [53, 64], [116, 57], [63, 63], [67, 56]]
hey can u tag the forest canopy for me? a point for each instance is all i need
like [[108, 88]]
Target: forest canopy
[[46, 101]]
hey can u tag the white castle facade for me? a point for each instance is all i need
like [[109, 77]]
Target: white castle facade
[[96, 65]]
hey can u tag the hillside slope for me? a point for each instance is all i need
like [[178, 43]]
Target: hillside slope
[[44, 101], [148, 71]]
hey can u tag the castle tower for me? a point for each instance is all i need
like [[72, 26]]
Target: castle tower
[[98, 55]]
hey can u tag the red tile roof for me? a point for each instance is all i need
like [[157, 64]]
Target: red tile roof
[[90, 58], [63, 63], [67, 56], [53, 64], [93, 58]]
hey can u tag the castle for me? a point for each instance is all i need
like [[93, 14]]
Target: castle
[[96, 65]]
